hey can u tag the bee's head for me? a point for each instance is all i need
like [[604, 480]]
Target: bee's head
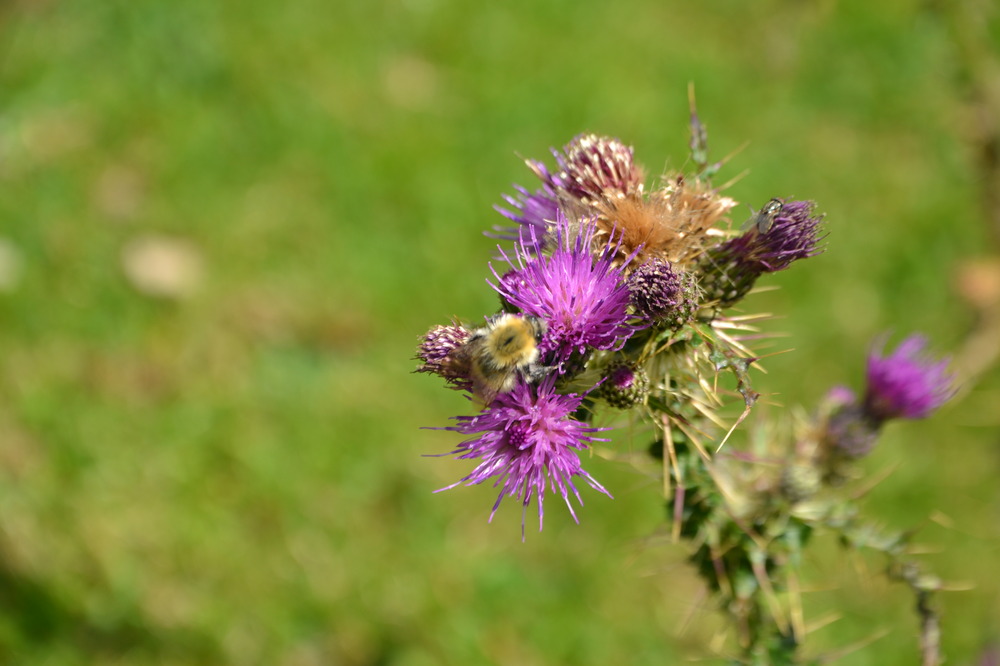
[[537, 325]]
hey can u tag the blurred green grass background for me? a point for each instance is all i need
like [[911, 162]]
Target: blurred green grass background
[[236, 475]]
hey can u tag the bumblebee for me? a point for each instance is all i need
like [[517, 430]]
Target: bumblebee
[[507, 347]]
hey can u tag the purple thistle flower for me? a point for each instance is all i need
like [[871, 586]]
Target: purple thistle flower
[[730, 269], [581, 297], [534, 213], [552, 182], [904, 384], [793, 235], [527, 440], [907, 383]]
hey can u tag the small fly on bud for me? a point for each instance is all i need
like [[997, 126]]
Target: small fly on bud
[[764, 218]]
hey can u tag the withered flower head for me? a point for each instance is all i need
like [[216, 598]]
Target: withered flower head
[[670, 224], [593, 168], [597, 179]]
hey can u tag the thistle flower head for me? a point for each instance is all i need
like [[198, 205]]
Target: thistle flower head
[[671, 223], [526, 440], [592, 168], [793, 235], [597, 181], [581, 296], [437, 352], [661, 294], [906, 384], [730, 269]]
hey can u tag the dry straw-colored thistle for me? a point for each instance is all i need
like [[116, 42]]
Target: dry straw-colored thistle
[[597, 178]]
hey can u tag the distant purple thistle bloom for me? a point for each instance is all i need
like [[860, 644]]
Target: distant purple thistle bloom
[[527, 440], [904, 384], [907, 383], [581, 297]]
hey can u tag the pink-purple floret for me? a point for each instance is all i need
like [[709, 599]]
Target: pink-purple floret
[[583, 299], [907, 383], [527, 440]]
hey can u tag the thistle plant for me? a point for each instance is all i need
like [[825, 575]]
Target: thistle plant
[[635, 287]]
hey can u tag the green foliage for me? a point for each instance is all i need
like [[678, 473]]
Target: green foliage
[[235, 476]]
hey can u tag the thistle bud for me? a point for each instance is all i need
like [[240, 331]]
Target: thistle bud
[[437, 352], [624, 386], [850, 433], [661, 294]]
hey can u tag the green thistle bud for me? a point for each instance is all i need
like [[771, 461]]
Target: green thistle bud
[[800, 481], [625, 386]]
